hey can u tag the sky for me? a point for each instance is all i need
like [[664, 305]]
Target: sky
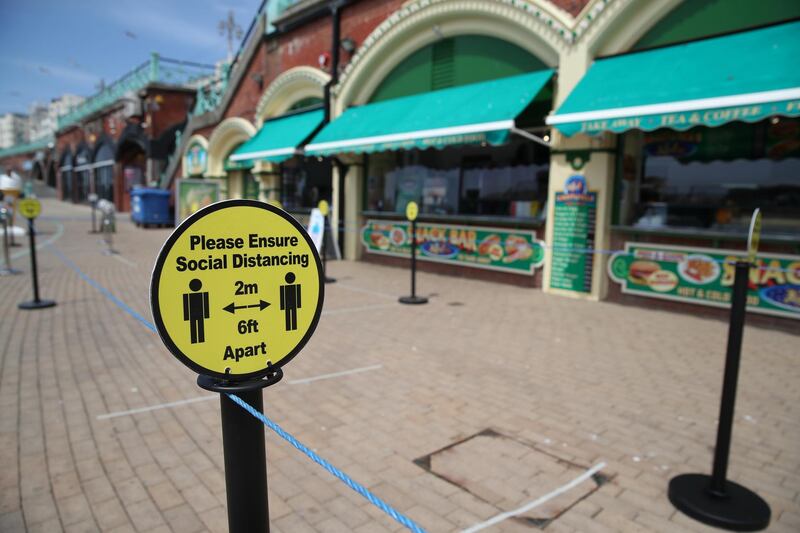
[[52, 47]]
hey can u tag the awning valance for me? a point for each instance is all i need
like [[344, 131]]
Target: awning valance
[[744, 76], [469, 114], [279, 138]]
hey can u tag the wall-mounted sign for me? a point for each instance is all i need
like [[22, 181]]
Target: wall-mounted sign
[[705, 276], [573, 236], [195, 160], [191, 195], [507, 250]]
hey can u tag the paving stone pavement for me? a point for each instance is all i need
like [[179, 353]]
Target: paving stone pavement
[[574, 381]]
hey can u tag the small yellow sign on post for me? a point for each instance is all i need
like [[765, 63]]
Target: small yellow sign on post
[[30, 208], [323, 207], [754, 236], [237, 290], [412, 210]]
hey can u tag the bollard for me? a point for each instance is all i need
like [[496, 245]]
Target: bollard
[[715, 500], [411, 214], [10, 215], [7, 269], [31, 210], [93, 202], [107, 225], [325, 234]]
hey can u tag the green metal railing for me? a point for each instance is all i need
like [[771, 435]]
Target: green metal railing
[[157, 70], [38, 144]]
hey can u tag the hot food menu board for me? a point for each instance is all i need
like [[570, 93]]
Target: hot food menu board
[[573, 238]]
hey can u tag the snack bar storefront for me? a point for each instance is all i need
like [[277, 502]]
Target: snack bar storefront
[[474, 158], [706, 131]]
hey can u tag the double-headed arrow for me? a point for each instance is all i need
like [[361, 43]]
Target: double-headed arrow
[[261, 305]]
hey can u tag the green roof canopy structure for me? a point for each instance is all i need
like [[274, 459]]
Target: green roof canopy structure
[[468, 114], [745, 76], [279, 138]]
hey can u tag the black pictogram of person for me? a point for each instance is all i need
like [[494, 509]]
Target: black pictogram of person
[[290, 301], [196, 310]]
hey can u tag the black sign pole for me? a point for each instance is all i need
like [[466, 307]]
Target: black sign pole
[[714, 500], [327, 226], [413, 299], [244, 448], [36, 303]]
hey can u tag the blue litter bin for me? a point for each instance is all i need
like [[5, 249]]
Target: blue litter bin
[[150, 206]]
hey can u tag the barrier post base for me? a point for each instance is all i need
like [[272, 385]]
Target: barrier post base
[[330, 280], [412, 300], [738, 509], [36, 304]]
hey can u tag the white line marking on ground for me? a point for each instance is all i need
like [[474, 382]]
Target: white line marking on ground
[[57, 235], [121, 259], [547, 497], [366, 291], [356, 309], [335, 374], [156, 407]]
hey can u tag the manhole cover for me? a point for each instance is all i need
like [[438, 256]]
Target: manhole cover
[[509, 473]]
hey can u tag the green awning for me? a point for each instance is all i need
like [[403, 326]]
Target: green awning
[[744, 76], [469, 114], [279, 138]]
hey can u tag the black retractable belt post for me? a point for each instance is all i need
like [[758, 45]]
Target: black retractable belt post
[[36, 303], [411, 214], [714, 499], [244, 448]]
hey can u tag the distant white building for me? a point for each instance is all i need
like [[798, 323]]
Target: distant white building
[[13, 129], [43, 119]]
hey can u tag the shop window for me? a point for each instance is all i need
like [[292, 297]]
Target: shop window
[[503, 181], [304, 182], [713, 178]]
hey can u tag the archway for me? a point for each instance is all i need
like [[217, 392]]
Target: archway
[[132, 161], [229, 134], [423, 22], [82, 173], [104, 171], [65, 174], [296, 88]]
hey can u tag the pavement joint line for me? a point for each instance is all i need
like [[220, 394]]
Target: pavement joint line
[[539, 501], [366, 291], [156, 407], [57, 235], [356, 309], [335, 374]]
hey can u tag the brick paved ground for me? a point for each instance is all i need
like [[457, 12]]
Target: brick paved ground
[[555, 379]]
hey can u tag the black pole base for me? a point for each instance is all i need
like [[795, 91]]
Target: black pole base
[[739, 509], [330, 280], [412, 300], [36, 304]]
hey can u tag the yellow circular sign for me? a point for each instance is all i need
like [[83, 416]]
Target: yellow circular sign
[[412, 210], [29, 207], [237, 289], [323, 207]]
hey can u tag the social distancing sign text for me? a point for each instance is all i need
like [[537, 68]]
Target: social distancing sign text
[[237, 289]]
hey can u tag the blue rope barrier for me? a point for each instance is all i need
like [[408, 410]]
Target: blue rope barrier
[[361, 489], [374, 500]]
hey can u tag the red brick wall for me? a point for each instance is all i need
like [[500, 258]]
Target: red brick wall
[[173, 108], [573, 7]]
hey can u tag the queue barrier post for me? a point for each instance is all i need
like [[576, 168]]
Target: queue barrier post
[[244, 449], [413, 299], [328, 279], [7, 269], [36, 303], [714, 499]]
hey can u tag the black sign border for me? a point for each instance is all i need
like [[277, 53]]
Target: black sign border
[[159, 265]]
